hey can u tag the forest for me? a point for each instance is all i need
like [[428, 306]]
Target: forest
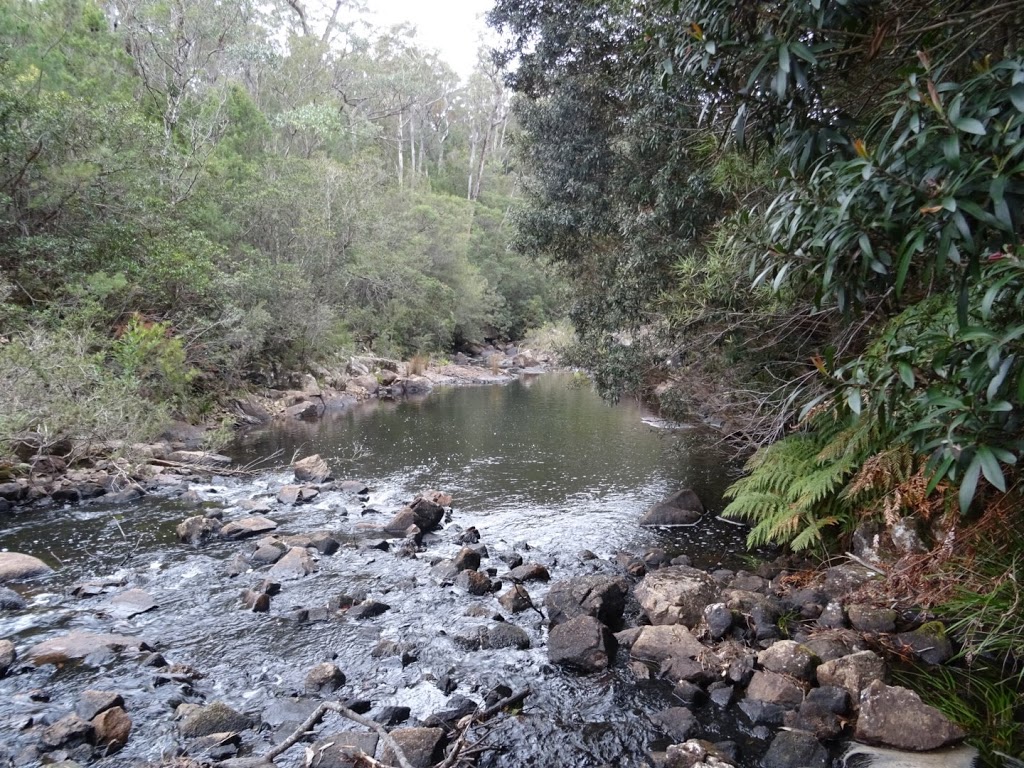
[[799, 222]]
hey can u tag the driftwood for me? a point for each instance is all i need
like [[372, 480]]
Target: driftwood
[[458, 748]]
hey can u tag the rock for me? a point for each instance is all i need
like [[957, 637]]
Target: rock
[[927, 643], [841, 580], [529, 572], [775, 689], [93, 703], [681, 508], [324, 543], [130, 603], [296, 564], [199, 458], [697, 754], [822, 713], [11, 600], [718, 619], [721, 693], [473, 582], [8, 655], [907, 538], [422, 513], [787, 657], [268, 553], [297, 494], [213, 718], [795, 749], [15, 566], [466, 559], [676, 595], [675, 722], [834, 644], [657, 644], [81, 645], [69, 731], [422, 746], [368, 609], [197, 529], [891, 716], [246, 527], [762, 712], [760, 610], [312, 469], [324, 677], [867, 618], [112, 727], [583, 643], [516, 599], [603, 597], [505, 635], [854, 672], [257, 602], [338, 750]]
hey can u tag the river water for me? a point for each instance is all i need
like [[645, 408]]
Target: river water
[[540, 468]]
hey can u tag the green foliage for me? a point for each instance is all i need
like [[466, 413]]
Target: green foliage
[[153, 360]]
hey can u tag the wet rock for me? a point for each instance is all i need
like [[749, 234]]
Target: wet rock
[[790, 658], [683, 507], [246, 762], [718, 619], [749, 582], [676, 595], [822, 713], [340, 750], [854, 672], [775, 689], [197, 529], [697, 754], [511, 559], [721, 693], [505, 635], [297, 494], [603, 597], [312, 469], [422, 746], [296, 564], [67, 732], [199, 458], [15, 566], [762, 712], [8, 655], [470, 536], [11, 600], [81, 645], [406, 652], [761, 612], [126, 496], [246, 527], [458, 707], [867, 618], [516, 599], [529, 572], [675, 722], [466, 559], [324, 543], [896, 717], [112, 727], [795, 749], [368, 609], [390, 715], [268, 553], [474, 582], [422, 513], [255, 601], [216, 746], [324, 677], [131, 603], [92, 703], [583, 643], [740, 670], [657, 644], [927, 643], [213, 718]]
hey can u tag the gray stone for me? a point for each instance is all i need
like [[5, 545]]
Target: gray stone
[[696, 753], [529, 572], [775, 689], [81, 645], [92, 703], [297, 494], [516, 599], [657, 644], [312, 469], [583, 643], [896, 717], [466, 559], [111, 727], [762, 712], [131, 603], [11, 600], [8, 655], [246, 527], [867, 618], [473, 582], [928, 643], [790, 658], [675, 722], [324, 677], [833, 644], [199, 458], [832, 616], [906, 537], [841, 580], [69, 731], [15, 566], [422, 746], [422, 513], [718, 619], [339, 750], [795, 749], [368, 609], [681, 508], [213, 718], [854, 672], [296, 563], [676, 595], [505, 635], [602, 597], [197, 529]]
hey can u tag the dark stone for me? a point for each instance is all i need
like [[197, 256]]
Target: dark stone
[[324, 677], [867, 618], [340, 750], [675, 722], [92, 703], [470, 536], [197, 529], [505, 635], [762, 712], [927, 643], [775, 689], [583, 643], [213, 718], [324, 543], [828, 698], [516, 599], [390, 715], [473, 582], [602, 597], [422, 746], [896, 717], [683, 507], [69, 731], [721, 694], [689, 694], [11, 600], [368, 609], [458, 708], [112, 727], [466, 559], [529, 572], [246, 527], [718, 619], [795, 749]]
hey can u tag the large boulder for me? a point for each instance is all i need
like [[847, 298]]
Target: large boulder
[[854, 672], [339, 750], [775, 689], [681, 508], [213, 718], [312, 469], [422, 513], [795, 749], [656, 644], [296, 563], [582, 643], [76, 646], [111, 729], [132, 602], [676, 595], [896, 717], [603, 597], [15, 566], [197, 529], [788, 657], [423, 747], [246, 527]]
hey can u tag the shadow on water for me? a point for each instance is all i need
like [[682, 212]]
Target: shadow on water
[[538, 467]]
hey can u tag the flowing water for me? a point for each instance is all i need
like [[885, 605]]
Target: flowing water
[[538, 467]]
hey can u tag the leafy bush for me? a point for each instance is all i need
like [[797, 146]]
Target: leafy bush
[[153, 360]]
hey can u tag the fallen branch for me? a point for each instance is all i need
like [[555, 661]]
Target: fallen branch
[[467, 723]]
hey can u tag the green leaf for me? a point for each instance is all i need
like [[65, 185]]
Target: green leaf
[[784, 58], [990, 467], [969, 485], [1017, 96], [970, 125], [906, 374], [805, 53], [853, 400]]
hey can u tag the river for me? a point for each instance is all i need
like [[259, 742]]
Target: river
[[540, 468]]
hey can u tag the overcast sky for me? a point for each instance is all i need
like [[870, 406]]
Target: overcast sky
[[453, 27]]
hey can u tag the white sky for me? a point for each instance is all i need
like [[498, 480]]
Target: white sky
[[453, 27]]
